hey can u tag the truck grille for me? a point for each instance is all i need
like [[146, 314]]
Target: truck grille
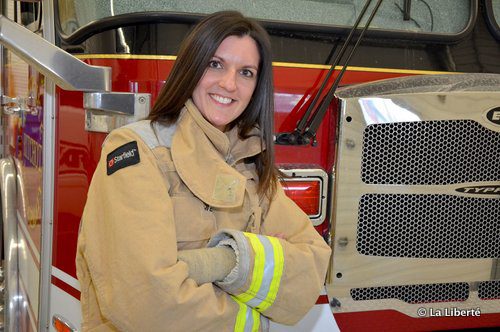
[[428, 226], [426, 293], [489, 290], [430, 153]]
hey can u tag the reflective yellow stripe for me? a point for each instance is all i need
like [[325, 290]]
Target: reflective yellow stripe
[[266, 273], [247, 319], [256, 320], [239, 326], [258, 269], [278, 272]]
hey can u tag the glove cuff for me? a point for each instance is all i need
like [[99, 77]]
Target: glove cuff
[[238, 276]]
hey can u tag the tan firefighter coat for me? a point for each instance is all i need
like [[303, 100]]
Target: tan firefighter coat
[[159, 189]]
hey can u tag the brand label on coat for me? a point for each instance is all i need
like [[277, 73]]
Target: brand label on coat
[[125, 155]]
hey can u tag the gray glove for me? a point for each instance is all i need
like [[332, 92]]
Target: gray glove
[[208, 264]]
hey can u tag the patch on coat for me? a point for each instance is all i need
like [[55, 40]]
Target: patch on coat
[[125, 155], [225, 188]]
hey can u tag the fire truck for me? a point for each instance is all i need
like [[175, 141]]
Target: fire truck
[[399, 170]]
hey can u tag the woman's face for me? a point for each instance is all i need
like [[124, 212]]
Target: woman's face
[[227, 85]]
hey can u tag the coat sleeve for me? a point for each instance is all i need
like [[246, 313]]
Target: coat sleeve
[[127, 251], [280, 278]]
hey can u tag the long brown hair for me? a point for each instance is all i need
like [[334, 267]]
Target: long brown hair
[[195, 53]]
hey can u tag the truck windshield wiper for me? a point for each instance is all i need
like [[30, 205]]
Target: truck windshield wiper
[[307, 126]]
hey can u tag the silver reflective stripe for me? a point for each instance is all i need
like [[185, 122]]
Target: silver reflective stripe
[[249, 320], [268, 276]]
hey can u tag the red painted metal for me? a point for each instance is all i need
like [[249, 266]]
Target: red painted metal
[[322, 299], [394, 321], [65, 287]]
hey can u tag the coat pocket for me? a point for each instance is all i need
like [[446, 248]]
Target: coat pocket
[[194, 224]]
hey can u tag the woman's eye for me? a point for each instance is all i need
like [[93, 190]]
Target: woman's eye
[[214, 64], [247, 73]]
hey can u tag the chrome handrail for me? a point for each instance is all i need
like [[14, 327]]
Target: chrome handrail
[[64, 69], [8, 239]]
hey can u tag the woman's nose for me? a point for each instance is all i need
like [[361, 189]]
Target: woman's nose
[[228, 80]]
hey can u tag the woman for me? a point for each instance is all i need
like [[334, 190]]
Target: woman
[[186, 227]]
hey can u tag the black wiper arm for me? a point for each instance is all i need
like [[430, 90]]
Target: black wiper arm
[[303, 121], [318, 116], [302, 134]]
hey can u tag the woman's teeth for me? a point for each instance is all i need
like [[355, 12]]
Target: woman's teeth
[[222, 100]]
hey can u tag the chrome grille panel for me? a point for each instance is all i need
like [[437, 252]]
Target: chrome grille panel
[[428, 226], [416, 202], [415, 293], [430, 153], [489, 290]]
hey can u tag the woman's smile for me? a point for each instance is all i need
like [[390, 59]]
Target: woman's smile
[[221, 99], [227, 86]]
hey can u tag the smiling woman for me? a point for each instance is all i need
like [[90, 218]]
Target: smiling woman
[[227, 86], [189, 229], [237, 37]]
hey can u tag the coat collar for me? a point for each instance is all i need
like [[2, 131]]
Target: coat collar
[[203, 157]]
